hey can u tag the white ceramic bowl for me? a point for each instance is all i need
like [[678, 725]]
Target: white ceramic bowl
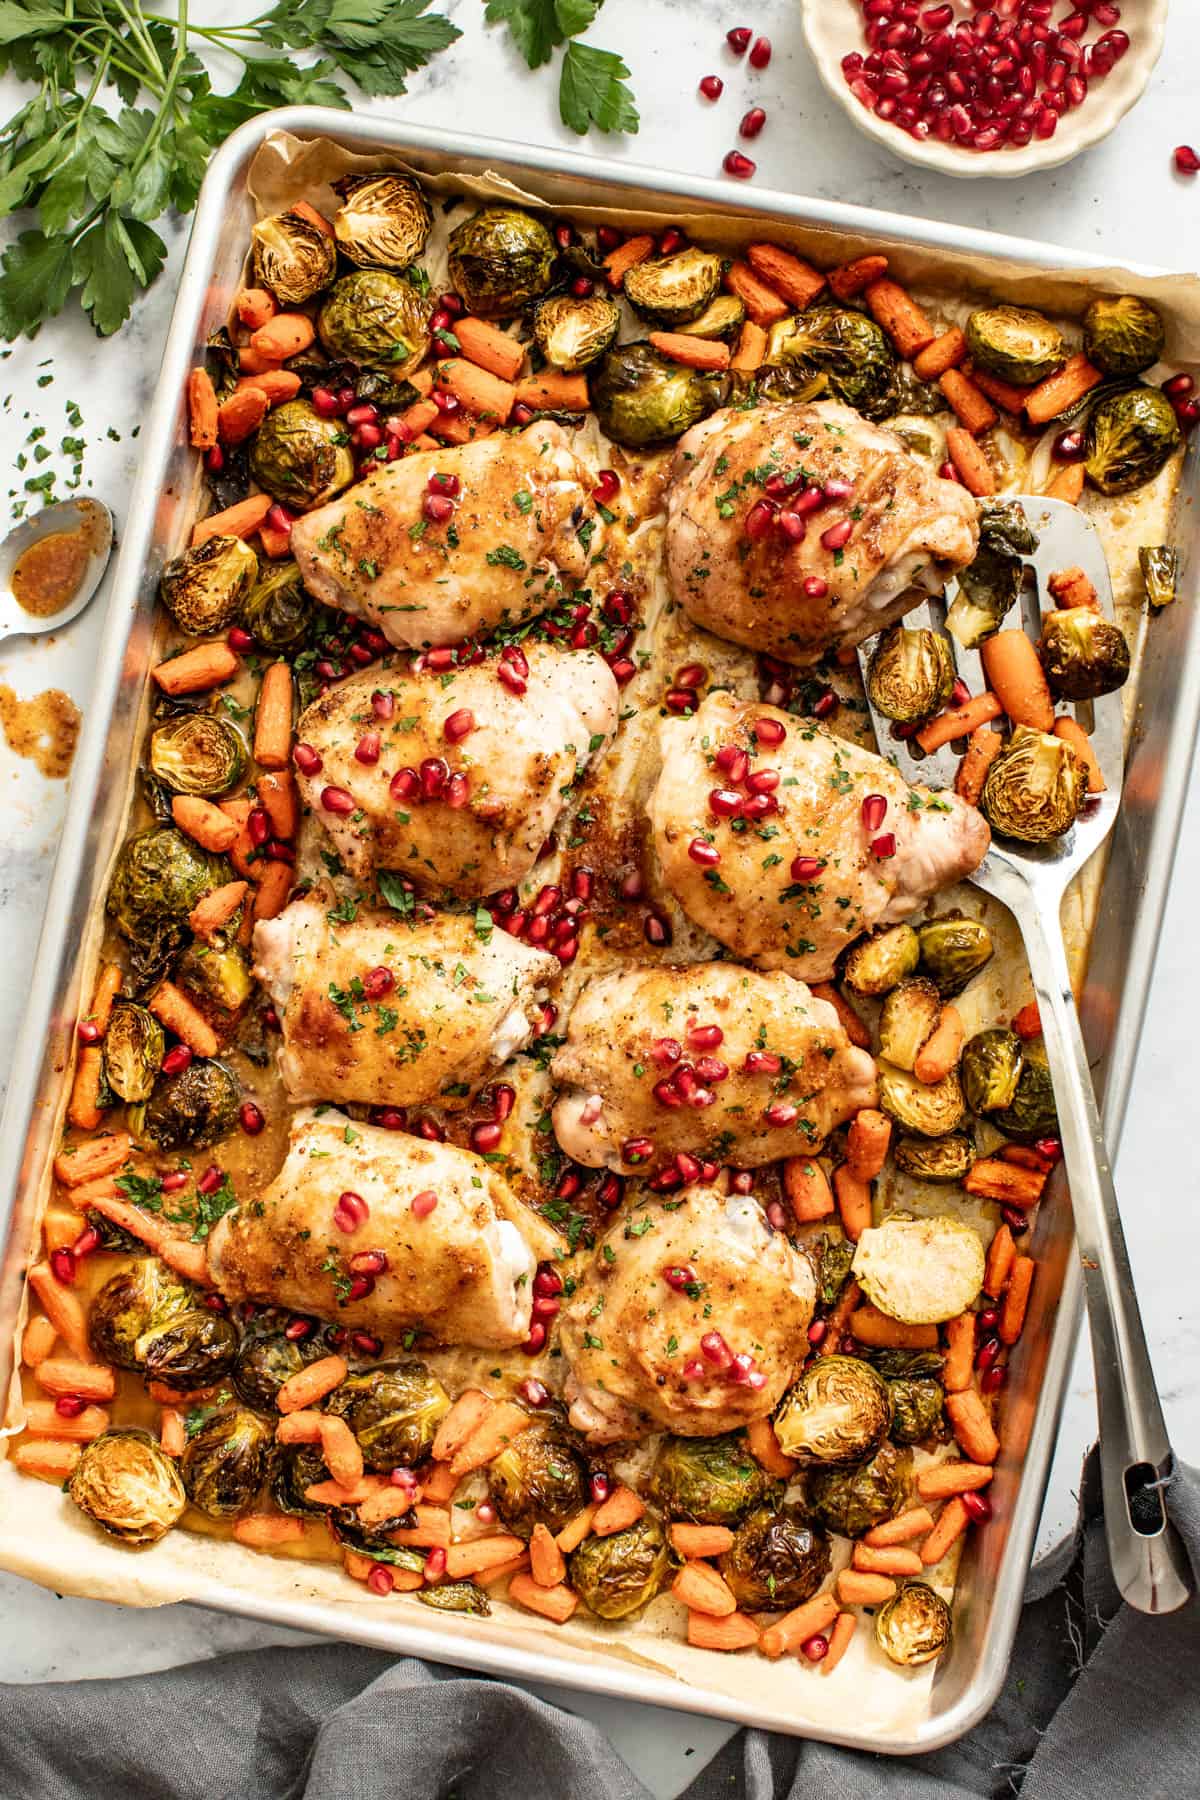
[[835, 27]]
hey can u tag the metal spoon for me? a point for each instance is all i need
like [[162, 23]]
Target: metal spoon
[[83, 514]]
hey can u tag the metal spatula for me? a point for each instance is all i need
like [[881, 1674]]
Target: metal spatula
[[1149, 1562]]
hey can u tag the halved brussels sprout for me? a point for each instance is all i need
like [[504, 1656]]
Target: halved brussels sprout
[[911, 674], [878, 963], [1015, 344], [1159, 564], [776, 1560], [500, 260], [539, 1476], [1035, 787], [722, 318], [781, 381], [836, 1261], [383, 222], [394, 1411], [129, 1305], [908, 1020], [641, 398], [845, 346], [935, 1159], [1130, 436], [134, 1045], [674, 290], [126, 1485], [203, 589], [990, 1068], [217, 977], [192, 1350], [300, 458], [294, 258], [616, 1576], [198, 753], [917, 1404], [837, 1411], [914, 1626], [195, 1107], [376, 320], [572, 334], [852, 1501], [711, 1481], [1032, 1113], [223, 1466], [953, 950], [1083, 653], [928, 1109], [920, 1271], [1123, 334], [990, 584], [265, 1362], [295, 1468], [278, 610], [159, 876], [456, 1597]]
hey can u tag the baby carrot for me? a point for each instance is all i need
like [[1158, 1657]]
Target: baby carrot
[[839, 1641], [1068, 484], [85, 1110], [1016, 1299], [546, 1561], [692, 352], [992, 1179], [37, 1341], [196, 671], [277, 385], [241, 414], [789, 1632], [900, 317], [62, 1308], [1076, 378], [1073, 734], [876, 1329], [172, 1433], [838, 1321], [108, 986], [490, 348], [891, 1559], [67, 1375], [945, 352], [960, 1352], [464, 1560], [287, 334], [468, 1411], [518, 1565], [483, 395], [974, 410], [763, 305], [172, 1008], [751, 348], [273, 718], [254, 306], [240, 520], [849, 1020], [43, 1419], [341, 1450], [48, 1458], [307, 1386], [202, 410], [735, 1632], [697, 1542], [188, 1260], [213, 911], [764, 1448], [626, 256], [983, 747], [913, 1523], [556, 1603], [848, 280], [867, 1142], [854, 1588], [90, 1161], [277, 797], [300, 1427], [439, 1484], [566, 393], [807, 1187], [952, 1522], [941, 1050], [267, 1531], [972, 1426], [503, 1422], [973, 467], [1017, 679], [1005, 393], [944, 1479], [1071, 587], [853, 1201], [622, 1509], [959, 721], [204, 823], [576, 1529], [998, 1266], [309, 212], [699, 1587], [797, 281]]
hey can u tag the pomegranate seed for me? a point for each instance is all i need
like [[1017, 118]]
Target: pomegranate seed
[[1049, 1149], [378, 982], [298, 1330], [637, 1151], [739, 39], [657, 930], [87, 1242], [715, 1350], [437, 508], [214, 459], [369, 1262], [806, 868], [423, 1204], [705, 1037], [351, 1212], [837, 536], [1178, 387], [368, 747], [1188, 413], [725, 802], [884, 846], [782, 1114], [251, 1118], [817, 1331], [389, 1118], [536, 1341], [1015, 1219], [623, 671], [815, 1649], [485, 1136], [459, 725], [712, 87], [434, 773], [666, 1051], [337, 800], [62, 1263], [734, 163], [1186, 160], [69, 1406], [873, 811], [1068, 446], [760, 519], [521, 414], [177, 1060], [176, 1179], [762, 1062], [760, 53], [239, 640], [306, 759], [707, 855], [694, 1370], [679, 1276], [547, 1281], [815, 588], [987, 1352], [978, 1507], [211, 1180], [87, 1032], [435, 1564], [770, 732], [763, 781], [360, 1287], [992, 1380], [752, 123], [610, 1192]]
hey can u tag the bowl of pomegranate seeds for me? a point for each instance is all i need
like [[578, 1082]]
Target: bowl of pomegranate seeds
[[986, 87]]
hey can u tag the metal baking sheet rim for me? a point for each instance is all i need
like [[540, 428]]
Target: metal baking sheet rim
[[49, 1008]]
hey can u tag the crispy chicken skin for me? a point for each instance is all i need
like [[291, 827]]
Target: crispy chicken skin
[[520, 503], [758, 907], [460, 1274], [633, 1340], [630, 1067], [386, 1013], [909, 529], [519, 760]]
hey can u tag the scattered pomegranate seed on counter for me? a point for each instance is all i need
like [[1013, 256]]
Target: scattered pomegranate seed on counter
[[712, 87], [760, 53], [739, 166], [739, 39], [1186, 160], [752, 122]]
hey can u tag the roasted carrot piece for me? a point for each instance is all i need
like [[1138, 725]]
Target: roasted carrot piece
[[60, 1229], [244, 856], [287, 334], [49, 1459], [735, 1632], [952, 1522], [566, 393], [945, 352], [172, 1433], [273, 718], [906, 1525], [853, 1201], [468, 1411], [751, 348], [490, 348], [851, 1024], [252, 362], [946, 1478], [867, 1143], [382, 1501], [67, 1375], [1024, 1155], [202, 410], [86, 1193], [483, 395], [204, 823], [417, 418], [341, 1450], [890, 1559], [254, 306], [196, 671], [267, 1531], [502, 1571], [241, 520], [556, 1603], [983, 747], [627, 256], [1071, 587], [300, 1427], [1005, 393], [213, 911], [796, 280], [959, 721], [839, 1641], [699, 1587], [900, 316], [763, 305], [332, 1493], [1068, 484], [941, 1050], [692, 352], [972, 1426], [439, 1484], [42, 1419], [130, 1218], [85, 1110], [848, 280], [309, 212], [547, 1564], [187, 1259], [854, 1588], [622, 1509], [695, 1543], [1073, 734], [277, 385], [974, 410], [992, 1179], [463, 1560], [576, 1529], [807, 1187], [1016, 677], [764, 1448], [876, 1329], [90, 1161], [37, 1341], [454, 428], [172, 1008], [1076, 378], [803, 1622], [1000, 1257], [973, 467], [277, 797], [307, 1386], [241, 414], [1016, 1299], [503, 1422], [960, 1352], [274, 544]]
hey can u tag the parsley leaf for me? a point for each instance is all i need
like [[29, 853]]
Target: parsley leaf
[[593, 91]]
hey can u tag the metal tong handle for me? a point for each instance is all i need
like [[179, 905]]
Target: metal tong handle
[[1150, 1565]]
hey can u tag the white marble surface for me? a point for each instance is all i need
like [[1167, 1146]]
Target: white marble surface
[[1122, 199]]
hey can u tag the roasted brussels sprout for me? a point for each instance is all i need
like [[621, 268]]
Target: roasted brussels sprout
[[934, 1159], [126, 1485], [217, 977], [193, 1108], [1015, 344], [908, 1019], [776, 1560], [383, 221], [375, 1541], [642, 398], [133, 1051], [674, 290], [1159, 564], [294, 1468], [618, 1575], [1122, 334], [930, 1109], [721, 318], [278, 610], [837, 1411], [1083, 653], [1130, 436], [953, 950], [265, 1362], [711, 1481], [916, 1407], [129, 1305], [197, 753], [456, 1597], [572, 334], [781, 381], [1031, 1114], [539, 1476], [852, 1501], [847, 347], [159, 876], [299, 457], [991, 1068], [914, 1626], [988, 587], [393, 1410], [920, 1271], [878, 963], [836, 1261], [294, 258], [192, 1350], [376, 320], [1034, 788], [911, 674], [224, 1464], [500, 260], [114, 1237], [203, 589]]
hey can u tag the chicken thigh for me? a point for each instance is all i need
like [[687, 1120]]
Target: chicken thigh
[[501, 556], [385, 1013], [459, 1248], [711, 1060], [837, 844], [461, 784], [748, 560], [694, 1324]]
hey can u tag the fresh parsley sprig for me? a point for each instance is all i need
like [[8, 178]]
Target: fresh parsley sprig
[[592, 86]]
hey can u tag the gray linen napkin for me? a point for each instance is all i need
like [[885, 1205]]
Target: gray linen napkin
[[1100, 1704]]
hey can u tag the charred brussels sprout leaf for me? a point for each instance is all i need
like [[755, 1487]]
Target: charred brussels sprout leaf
[[722, 318], [1031, 1114], [197, 753], [618, 1575], [294, 1468], [126, 1485], [195, 1107], [218, 978], [133, 1051], [1122, 334], [908, 1019], [920, 1271], [539, 1476], [990, 584], [131, 1304], [1083, 653], [776, 1560], [159, 876], [916, 1409], [929, 1109], [953, 950], [1159, 564], [1015, 344], [990, 1069], [1130, 436], [278, 610], [1034, 789], [673, 291], [299, 457], [456, 1597], [383, 221], [781, 381], [224, 1464], [914, 1626], [852, 1501], [711, 1481], [393, 1411], [192, 1350], [911, 674], [847, 347], [837, 1258], [376, 320], [573, 334], [838, 1411], [500, 260], [878, 963], [203, 589], [265, 1362], [294, 258], [935, 1159], [642, 398]]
